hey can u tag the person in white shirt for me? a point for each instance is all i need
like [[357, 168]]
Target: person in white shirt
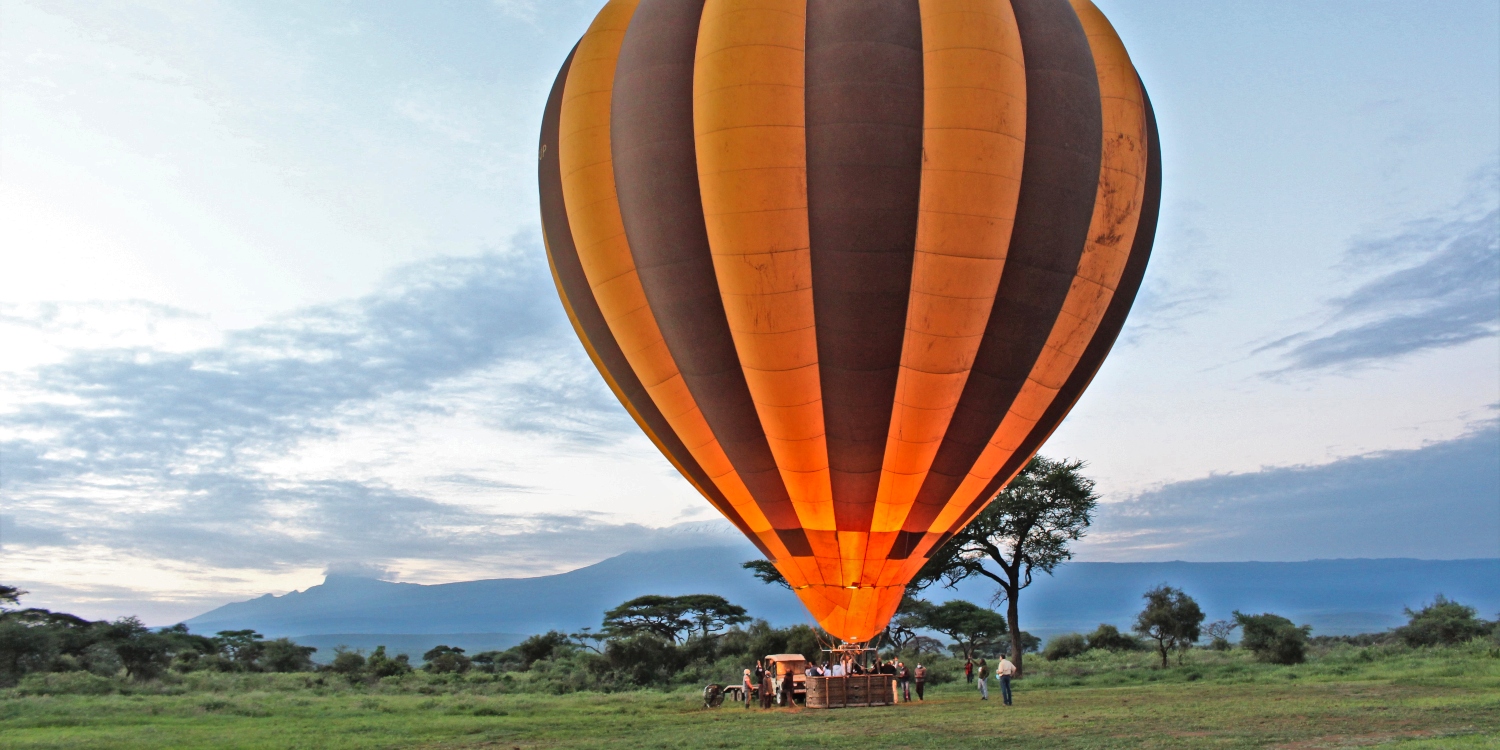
[[1006, 670]]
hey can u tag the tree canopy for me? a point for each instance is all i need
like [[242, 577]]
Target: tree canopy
[[1171, 618], [674, 618], [1026, 529], [971, 627]]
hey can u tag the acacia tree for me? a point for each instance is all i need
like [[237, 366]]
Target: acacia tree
[[971, 626], [1026, 529], [662, 616], [1171, 618], [672, 618], [711, 612]]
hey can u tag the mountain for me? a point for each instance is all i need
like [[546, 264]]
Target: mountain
[[1334, 596]]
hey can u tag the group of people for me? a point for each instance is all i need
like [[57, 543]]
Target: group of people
[[1004, 671], [764, 675]]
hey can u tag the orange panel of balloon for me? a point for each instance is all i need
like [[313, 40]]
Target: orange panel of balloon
[[848, 263]]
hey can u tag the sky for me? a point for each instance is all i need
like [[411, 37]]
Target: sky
[[274, 301]]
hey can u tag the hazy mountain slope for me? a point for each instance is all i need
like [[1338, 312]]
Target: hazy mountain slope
[[1335, 596]]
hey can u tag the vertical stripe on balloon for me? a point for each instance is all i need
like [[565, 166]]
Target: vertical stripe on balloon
[[1059, 180]]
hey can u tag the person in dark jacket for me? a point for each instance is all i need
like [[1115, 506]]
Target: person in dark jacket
[[903, 678], [921, 679]]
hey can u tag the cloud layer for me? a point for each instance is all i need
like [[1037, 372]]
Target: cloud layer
[[163, 453], [1438, 501], [1444, 292]]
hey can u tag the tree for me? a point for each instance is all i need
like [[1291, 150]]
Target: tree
[[1171, 618], [1274, 638], [711, 612], [538, 647], [972, 627], [285, 655], [1218, 632], [662, 616], [1065, 646], [348, 663], [1025, 529], [444, 659], [766, 571], [242, 647], [382, 665], [1109, 638], [909, 618], [1443, 622], [10, 595], [143, 653]]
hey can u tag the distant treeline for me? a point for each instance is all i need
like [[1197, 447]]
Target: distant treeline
[[662, 641]]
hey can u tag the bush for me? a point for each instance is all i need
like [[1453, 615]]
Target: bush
[[379, 665], [445, 660], [1442, 623], [348, 663], [23, 649], [1274, 638], [1065, 646], [1109, 638], [283, 655]]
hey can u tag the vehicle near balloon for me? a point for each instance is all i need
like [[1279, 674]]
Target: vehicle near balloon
[[848, 263]]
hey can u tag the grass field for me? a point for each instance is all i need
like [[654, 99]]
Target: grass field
[[1344, 698]]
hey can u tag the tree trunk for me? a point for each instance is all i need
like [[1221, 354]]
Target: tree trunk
[[1013, 621]]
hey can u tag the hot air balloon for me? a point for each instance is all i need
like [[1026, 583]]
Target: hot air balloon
[[848, 263]]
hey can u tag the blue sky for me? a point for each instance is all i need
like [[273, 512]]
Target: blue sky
[[275, 301]]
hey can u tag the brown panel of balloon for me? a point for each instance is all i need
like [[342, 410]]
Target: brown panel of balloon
[[864, 170]]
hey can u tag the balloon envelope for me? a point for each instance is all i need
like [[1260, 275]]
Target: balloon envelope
[[848, 263]]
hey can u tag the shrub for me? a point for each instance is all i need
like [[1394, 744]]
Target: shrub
[[1218, 632], [283, 655], [380, 665], [1064, 646], [348, 663], [446, 659], [1274, 638], [23, 649], [1109, 638], [1443, 622]]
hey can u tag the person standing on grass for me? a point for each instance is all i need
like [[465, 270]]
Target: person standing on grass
[[746, 688], [921, 675], [1005, 670], [968, 670], [767, 689], [983, 673], [903, 676]]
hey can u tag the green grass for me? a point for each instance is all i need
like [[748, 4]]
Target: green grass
[[1448, 698]]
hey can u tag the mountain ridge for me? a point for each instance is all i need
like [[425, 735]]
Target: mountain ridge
[[1335, 596]]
